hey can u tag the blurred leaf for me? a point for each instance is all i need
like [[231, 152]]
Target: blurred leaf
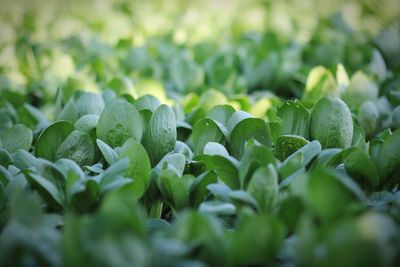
[[173, 189], [24, 160], [5, 158], [387, 160], [198, 189], [361, 88], [263, 186], [320, 83], [17, 137], [108, 153], [268, 237], [89, 104]]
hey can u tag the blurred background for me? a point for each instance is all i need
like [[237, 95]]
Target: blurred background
[[234, 46]]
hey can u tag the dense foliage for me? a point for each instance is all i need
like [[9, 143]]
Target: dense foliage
[[267, 136]]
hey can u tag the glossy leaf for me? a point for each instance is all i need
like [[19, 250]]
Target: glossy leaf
[[295, 119], [51, 138], [118, 122], [77, 146], [160, 136], [206, 131], [250, 128], [139, 166]]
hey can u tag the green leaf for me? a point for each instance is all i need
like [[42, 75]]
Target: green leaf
[[87, 124], [113, 177], [327, 195], [109, 154], [359, 139], [342, 77], [47, 190], [331, 123], [213, 148], [220, 191], [69, 112], [5, 120], [198, 189], [17, 137], [118, 122], [217, 208], [250, 128], [211, 98], [204, 234], [288, 144], [24, 160], [185, 73], [51, 138], [368, 118], [160, 137], [295, 118], [147, 102], [377, 65], [204, 131], [263, 186], [68, 166], [226, 169], [221, 113], [387, 160], [289, 167], [122, 85], [254, 157], [139, 166], [241, 198], [32, 117], [59, 103], [359, 166], [395, 118], [268, 237], [89, 104], [5, 176], [235, 118], [5, 158], [184, 149], [174, 161], [320, 83], [361, 88], [173, 189], [301, 158], [78, 147]]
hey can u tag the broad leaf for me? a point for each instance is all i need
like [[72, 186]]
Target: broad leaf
[[51, 138], [77, 146], [250, 128], [295, 118], [139, 166], [288, 144], [118, 122], [160, 136], [205, 131], [17, 137]]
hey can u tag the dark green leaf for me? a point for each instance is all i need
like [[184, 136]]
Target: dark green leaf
[[51, 138]]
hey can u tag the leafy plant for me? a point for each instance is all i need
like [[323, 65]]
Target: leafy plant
[[258, 133]]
